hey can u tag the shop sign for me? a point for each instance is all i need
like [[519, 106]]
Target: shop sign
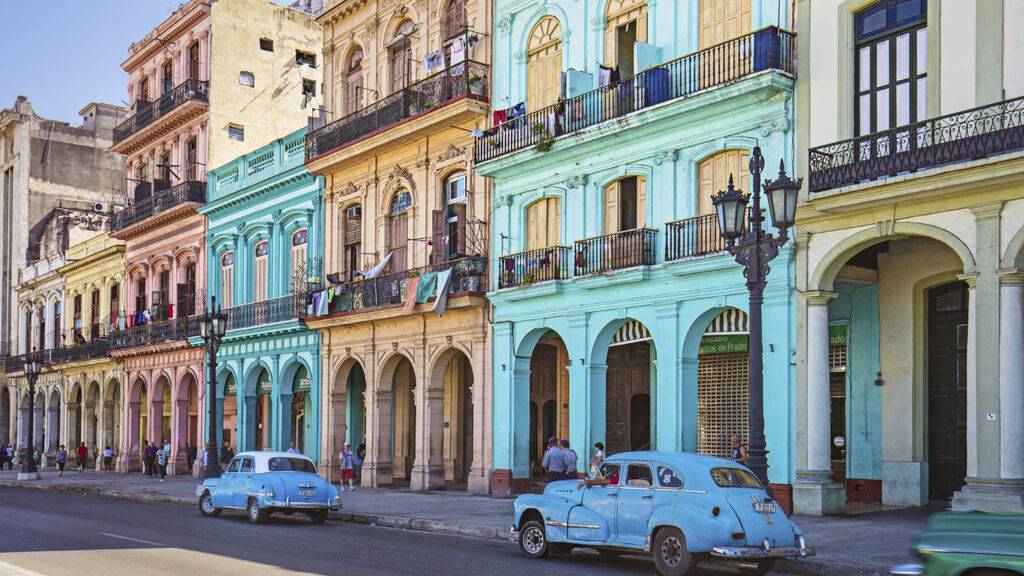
[[230, 389], [302, 385], [263, 386], [723, 343], [837, 335]]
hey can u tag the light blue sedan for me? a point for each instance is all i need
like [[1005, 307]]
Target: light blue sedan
[[262, 483], [678, 507]]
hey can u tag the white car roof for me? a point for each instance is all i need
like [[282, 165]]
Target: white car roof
[[264, 456]]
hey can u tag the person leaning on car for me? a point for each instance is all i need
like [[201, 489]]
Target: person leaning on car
[[612, 479]]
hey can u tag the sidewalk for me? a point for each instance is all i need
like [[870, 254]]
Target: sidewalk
[[866, 542]]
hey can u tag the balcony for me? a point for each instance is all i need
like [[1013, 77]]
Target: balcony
[[95, 348], [765, 49], [961, 137], [266, 312], [468, 79], [468, 275], [693, 237], [616, 251], [188, 191], [155, 333], [149, 111], [532, 266]]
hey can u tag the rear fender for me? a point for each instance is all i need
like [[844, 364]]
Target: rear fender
[[702, 529]]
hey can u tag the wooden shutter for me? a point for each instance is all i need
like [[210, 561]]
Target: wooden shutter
[[544, 64], [227, 286], [182, 308], [533, 233], [714, 172], [554, 227], [611, 208], [543, 223], [438, 229], [399, 242], [193, 61], [641, 202], [617, 16], [460, 227]]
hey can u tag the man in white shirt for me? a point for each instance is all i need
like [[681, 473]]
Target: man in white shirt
[[294, 450]]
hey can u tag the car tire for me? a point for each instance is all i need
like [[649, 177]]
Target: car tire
[[318, 516], [533, 541], [760, 569], [206, 506], [670, 554], [256, 514]]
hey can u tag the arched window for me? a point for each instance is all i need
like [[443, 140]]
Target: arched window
[[544, 64], [260, 279], [713, 176], [354, 81], [455, 18], [398, 230], [625, 204], [300, 239], [227, 279], [626, 25], [401, 56], [543, 223]]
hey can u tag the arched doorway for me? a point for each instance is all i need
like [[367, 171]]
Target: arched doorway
[[947, 389], [112, 415], [723, 386], [52, 431], [229, 426], [91, 433], [301, 407], [628, 419], [549, 396], [403, 436], [5, 417], [160, 413], [355, 409], [186, 422], [74, 408], [457, 438], [263, 416]]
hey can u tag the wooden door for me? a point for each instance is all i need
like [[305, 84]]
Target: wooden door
[[543, 390], [401, 60], [399, 235], [544, 64], [714, 173], [721, 21], [628, 382], [193, 61], [947, 390]]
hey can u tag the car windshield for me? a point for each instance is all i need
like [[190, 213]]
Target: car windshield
[[281, 464], [734, 478]]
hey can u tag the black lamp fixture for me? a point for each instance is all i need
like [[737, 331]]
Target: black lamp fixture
[[754, 248], [33, 366], [212, 327]]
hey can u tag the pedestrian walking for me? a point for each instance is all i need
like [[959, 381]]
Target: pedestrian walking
[[739, 451], [347, 472], [150, 458], [293, 450], [10, 458], [202, 462], [161, 461], [108, 460], [554, 460], [62, 459], [3, 456], [357, 462], [570, 457], [82, 454], [190, 455], [226, 454], [595, 461]]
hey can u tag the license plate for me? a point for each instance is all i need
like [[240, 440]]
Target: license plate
[[766, 507], [307, 492]]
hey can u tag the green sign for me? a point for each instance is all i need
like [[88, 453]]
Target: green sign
[[230, 389], [723, 343], [837, 335], [263, 386], [302, 385]]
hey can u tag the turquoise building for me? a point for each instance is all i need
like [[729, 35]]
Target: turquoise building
[[264, 244], [618, 317]]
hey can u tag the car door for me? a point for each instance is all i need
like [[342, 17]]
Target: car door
[[598, 503], [636, 495], [223, 495], [239, 494]]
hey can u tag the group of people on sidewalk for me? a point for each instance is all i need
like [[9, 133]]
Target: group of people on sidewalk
[[154, 459], [8, 455], [560, 460]]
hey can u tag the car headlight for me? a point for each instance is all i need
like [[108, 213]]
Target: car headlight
[[270, 494], [336, 497]]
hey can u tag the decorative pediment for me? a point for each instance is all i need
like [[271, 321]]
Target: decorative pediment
[[453, 151], [399, 172]]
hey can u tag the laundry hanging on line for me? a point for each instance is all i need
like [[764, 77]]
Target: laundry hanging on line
[[376, 270], [444, 279]]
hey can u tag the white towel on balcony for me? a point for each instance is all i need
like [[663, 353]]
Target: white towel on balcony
[[376, 270], [458, 51], [444, 278]]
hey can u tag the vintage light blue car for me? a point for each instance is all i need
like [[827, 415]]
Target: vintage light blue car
[[262, 483], [679, 507]]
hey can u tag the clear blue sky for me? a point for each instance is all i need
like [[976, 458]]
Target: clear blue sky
[[63, 54]]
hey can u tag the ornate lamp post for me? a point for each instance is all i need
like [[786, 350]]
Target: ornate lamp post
[[212, 327], [754, 249], [33, 366]]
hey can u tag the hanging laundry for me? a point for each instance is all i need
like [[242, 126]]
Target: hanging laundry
[[458, 51], [330, 294], [604, 77], [410, 294], [433, 61], [315, 310], [170, 310], [321, 307], [376, 270], [514, 112], [310, 307], [444, 279], [472, 40], [425, 287], [499, 117]]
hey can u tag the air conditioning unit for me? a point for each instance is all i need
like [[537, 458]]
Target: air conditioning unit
[[102, 207], [354, 211]]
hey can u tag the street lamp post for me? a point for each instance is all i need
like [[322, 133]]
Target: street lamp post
[[212, 327], [33, 366], [754, 248]]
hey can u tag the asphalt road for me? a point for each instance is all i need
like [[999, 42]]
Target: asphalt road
[[67, 534]]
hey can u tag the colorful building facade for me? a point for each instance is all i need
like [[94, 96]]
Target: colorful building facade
[[212, 82], [618, 318], [408, 84], [264, 243], [908, 267]]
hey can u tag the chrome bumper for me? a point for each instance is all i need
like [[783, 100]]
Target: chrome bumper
[[514, 531], [907, 570], [289, 505], [765, 550]]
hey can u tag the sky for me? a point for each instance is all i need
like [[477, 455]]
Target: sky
[[64, 54]]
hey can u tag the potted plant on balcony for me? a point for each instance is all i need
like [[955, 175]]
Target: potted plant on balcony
[[545, 139], [527, 278], [476, 84]]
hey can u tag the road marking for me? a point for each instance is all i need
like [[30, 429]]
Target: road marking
[[131, 539], [12, 570]]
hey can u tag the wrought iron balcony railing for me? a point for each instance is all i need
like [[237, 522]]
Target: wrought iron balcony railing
[[969, 135], [95, 348], [155, 333], [615, 251], [467, 78], [469, 274], [690, 237], [147, 111], [768, 48], [266, 312], [188, 191], [532, 266]]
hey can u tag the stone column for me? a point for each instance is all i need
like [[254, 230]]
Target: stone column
[[428, 468], [814, 492], [479, 480], [1011, 375], [377, 467]]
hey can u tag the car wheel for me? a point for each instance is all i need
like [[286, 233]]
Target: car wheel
[[533, 541], [670, 554], [256, 514], [318, 516], [206, 506], [760, 569]]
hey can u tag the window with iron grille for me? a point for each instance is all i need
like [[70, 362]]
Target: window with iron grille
[[247, 79], [236, 132], [723, 401]]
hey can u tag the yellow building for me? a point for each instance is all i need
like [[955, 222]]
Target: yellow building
[[93, 295], [407, 86]]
